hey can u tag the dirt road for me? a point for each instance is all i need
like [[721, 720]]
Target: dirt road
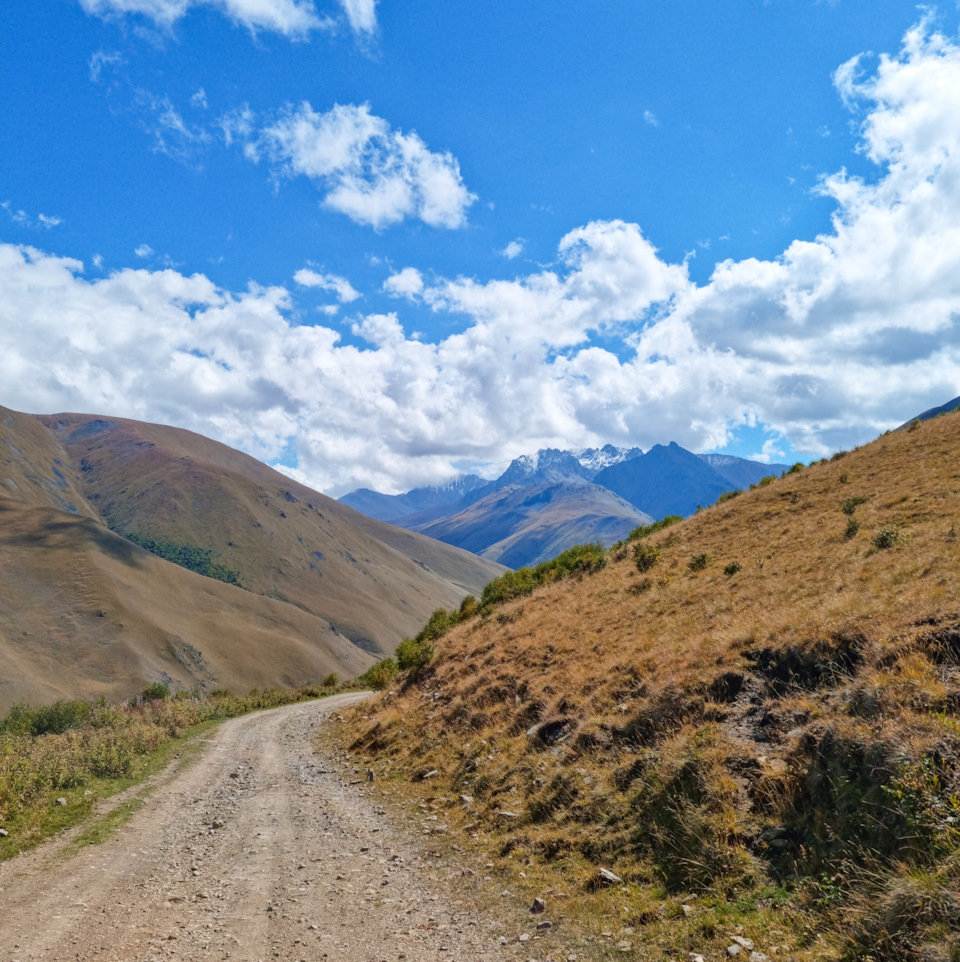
[[260, 849]]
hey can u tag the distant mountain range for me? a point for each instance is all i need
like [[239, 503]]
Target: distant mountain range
[[546, 502], [85, 611]]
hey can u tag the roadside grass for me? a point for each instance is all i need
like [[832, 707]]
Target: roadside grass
[[780, 719], [100, 828], [103, 828], [505, 869], [88, 752]]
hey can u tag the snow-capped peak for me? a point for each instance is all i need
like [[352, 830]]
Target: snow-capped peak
[[596, 459]]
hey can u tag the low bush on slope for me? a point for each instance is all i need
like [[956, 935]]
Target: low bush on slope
[[416, 653], [769, 736]]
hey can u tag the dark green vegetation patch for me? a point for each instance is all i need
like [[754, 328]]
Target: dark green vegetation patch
[[188, 556]]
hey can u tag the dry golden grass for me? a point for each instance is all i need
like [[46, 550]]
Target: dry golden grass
[[719, 734]]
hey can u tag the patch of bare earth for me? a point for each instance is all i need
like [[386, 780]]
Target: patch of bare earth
[[261, 849]]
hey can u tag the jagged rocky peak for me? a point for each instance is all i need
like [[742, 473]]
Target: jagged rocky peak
[[547, 464], [596, 459], [461, 484]]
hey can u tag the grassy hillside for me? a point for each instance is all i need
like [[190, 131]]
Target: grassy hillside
[[284, 540], [757, 732], [85, 612]]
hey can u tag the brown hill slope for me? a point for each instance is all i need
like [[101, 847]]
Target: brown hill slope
[[85, 613], [374, 582], [763, 722], [333, 573]]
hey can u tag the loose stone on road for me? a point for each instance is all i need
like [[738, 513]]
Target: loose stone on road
[[259, 850]]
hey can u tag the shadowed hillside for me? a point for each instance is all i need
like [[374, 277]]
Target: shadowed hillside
[[85, 613], [321, 584], [751, 713]]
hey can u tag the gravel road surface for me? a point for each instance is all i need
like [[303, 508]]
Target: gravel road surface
[[260, 849]]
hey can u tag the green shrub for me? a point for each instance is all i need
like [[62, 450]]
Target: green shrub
[[157, 691], [849, 505], [844, 478], [330, 681], [53, 719], [645, 556], [469, 607], [766, 479], [733, 568], [729, 495], [380, 675], [413, 654], [698, 562], [580, 559], [438, 624], [853, 527], [889, 538], [795, 469], [511, 585], [643, 530]]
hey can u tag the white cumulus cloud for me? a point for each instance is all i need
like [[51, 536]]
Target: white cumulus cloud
[[374, 174], [362, 14], [294, 18], [513, 249], [840, 337], [405, 283], [328, 282]]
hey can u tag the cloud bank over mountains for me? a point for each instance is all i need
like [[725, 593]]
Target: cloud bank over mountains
[[838, 338]]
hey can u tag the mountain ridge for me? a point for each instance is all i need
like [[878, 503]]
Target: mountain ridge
[[643, 487]]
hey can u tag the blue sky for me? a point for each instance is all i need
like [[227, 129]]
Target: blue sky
[[380, 242]]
